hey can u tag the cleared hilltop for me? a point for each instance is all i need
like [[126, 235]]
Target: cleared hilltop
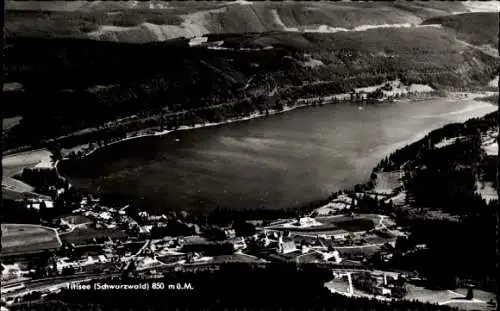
[[477, 29], [137, 22]]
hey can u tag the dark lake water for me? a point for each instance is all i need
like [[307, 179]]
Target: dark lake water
[[276, 162]]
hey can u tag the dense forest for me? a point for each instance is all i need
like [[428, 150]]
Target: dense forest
[[456, 250], [445, 179], [474, 28], [472, 127]]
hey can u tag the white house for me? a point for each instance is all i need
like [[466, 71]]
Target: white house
[[339, 234], [239, 243], [11, 271], [329, 255], [308, 222], [197, 41], [105, 216], [382, 290]]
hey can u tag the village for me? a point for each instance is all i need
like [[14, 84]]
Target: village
[[95, 239]]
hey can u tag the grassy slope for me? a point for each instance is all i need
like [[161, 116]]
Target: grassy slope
[[343, 14], [474, 28], [77, 20], [27, 238], [419, 53], [78, 24]]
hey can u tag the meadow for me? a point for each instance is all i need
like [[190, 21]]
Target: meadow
[[18, 239]]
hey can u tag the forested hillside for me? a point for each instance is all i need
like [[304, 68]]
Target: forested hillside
[[475, 28], [74, 84], [258, 57], [446, 178]]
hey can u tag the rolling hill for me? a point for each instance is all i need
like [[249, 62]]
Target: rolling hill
[[139, 22], [81, 83], [475, 28]]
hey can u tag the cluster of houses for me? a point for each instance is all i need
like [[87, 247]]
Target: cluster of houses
[[147, 248], [65, 262], [340, 204], [286, 245], [378, 284], [105, 217], [39, 203], [12, 272]]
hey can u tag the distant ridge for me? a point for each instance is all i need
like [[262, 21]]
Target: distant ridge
[[135, 21]]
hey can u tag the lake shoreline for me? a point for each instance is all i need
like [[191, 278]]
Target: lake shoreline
[[47, 163], [147, 132], [256, 115]]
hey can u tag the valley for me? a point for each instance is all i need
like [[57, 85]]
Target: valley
[[342, 152]]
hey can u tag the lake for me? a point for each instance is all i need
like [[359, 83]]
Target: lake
[[280, 161]]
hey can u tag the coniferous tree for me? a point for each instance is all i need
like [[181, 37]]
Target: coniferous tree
[[470, 293]]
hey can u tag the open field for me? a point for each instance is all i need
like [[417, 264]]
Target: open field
[[387, 182], [17, 195], [362, 222], [15, 163], [427, 213], [18, 239], [354, 225], [8, 123], [12, 184], [87, 234], [478, 294], [338, 286], [472, 27], [451, 298], [332, 225], [140, 21], [470, 305]]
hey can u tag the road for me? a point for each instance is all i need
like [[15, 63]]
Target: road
[[73, 227]]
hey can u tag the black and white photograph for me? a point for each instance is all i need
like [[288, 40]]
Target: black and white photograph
[[249, 155]]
